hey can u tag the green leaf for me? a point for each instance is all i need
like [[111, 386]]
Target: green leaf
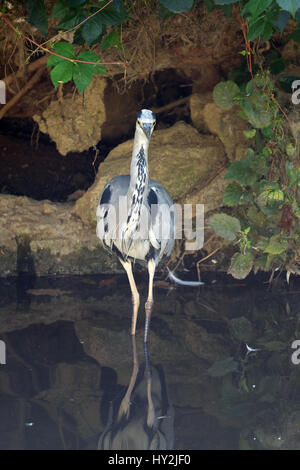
[[242, 172], [295, 35], [75, 3], [60, 9], [111, 40], [224, 94], [256, 28], [62, 72], [272, 193], [250, 133], [289, 5], [223, 367], [225, 226], [91, 56], [91, 29], [224, 2], [111, 16], [282, 20], [256, 110], [277, 66], [82, 76], [177, 6], [276, 246], [232, 194], [241, 265], [256, 7], [71, 20], [63, 48], [37, 15]]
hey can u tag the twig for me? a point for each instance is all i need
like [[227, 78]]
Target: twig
[[31, 68], [22, 92], [172, 105], [39, 46], [203, 259]]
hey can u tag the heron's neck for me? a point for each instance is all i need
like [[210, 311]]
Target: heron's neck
[[138, 188]]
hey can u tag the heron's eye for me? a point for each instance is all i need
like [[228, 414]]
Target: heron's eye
[[139, 123], [154, 124]]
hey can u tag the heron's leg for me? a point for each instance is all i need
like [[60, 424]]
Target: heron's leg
[[149, 303], [135, 295]]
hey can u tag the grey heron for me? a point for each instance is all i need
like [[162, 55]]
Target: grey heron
[[136, 218]]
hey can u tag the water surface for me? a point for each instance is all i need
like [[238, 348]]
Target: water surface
[[73, 375]]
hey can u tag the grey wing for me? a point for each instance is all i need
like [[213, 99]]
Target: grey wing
[[108, 209], [163, 218]]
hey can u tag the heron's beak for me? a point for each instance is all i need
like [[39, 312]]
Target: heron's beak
[[147, 128]]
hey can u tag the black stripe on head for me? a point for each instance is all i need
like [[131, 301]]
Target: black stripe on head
[[106, 195]]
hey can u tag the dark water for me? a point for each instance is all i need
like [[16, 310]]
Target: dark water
[[70, 376]]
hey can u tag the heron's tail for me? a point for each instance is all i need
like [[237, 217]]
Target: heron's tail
[[175, 279]]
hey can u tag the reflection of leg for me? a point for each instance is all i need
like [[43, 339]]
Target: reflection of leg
[[149, 303], [125, 404], [150, 412], [135, 295]]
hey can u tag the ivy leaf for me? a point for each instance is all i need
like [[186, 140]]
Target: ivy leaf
[[241, 265], [225, 226], [111, 40], [232, 194], [289, 5], [276, 246], [62, 72], [177, 6], [37, 15], [224, 94], [91, 29]]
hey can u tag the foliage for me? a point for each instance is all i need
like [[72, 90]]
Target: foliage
[[264, 186], [99, 22]]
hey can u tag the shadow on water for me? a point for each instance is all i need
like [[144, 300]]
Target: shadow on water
[[220, 371]]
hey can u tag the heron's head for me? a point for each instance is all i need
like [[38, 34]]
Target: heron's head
[[146, 121]]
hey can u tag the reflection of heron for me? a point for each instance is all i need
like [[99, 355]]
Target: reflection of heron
[[145, 418], [144, 229]]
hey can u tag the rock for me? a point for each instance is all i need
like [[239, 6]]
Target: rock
[[74, 124], [180, 158], [197, 103], [226, 124], [45, 238], [290, 51], [211, 194]]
